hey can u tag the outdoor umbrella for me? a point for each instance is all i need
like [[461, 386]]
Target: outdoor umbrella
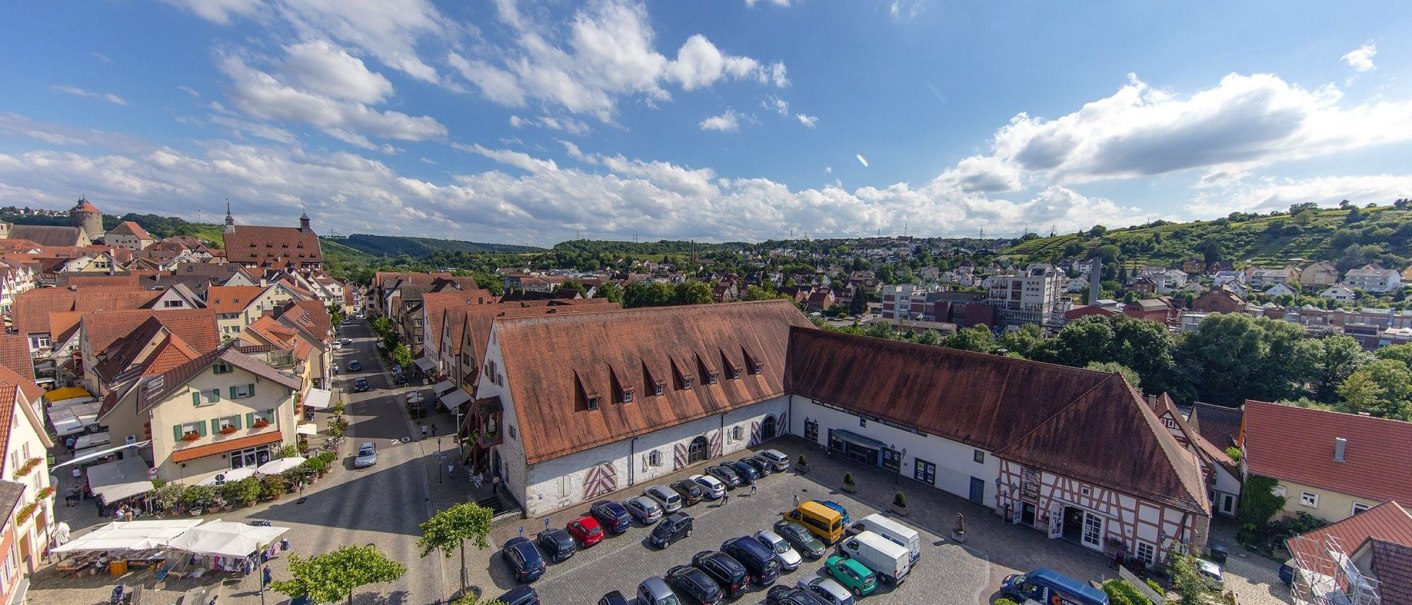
[[275, 467]]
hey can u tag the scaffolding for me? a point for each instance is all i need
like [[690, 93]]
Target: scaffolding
[[1326, 575]]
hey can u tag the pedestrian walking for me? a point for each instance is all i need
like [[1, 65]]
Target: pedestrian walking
[[99, 503], [424, 431], [266, 578], [70, 442], [433, 429], [753, 488], [796, 501], [726, 499], [450, 469]]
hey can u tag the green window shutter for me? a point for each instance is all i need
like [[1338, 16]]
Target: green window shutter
[[232, 392], [215, 426], [270, 413], [215, 395], [196, 398], [250, 419], [236, 421], [250, 389], [176, 432], [201, 429]]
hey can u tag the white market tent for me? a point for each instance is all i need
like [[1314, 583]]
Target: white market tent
[[226, 539], [229, 476], [72, 416], [128, 535], [443, 386], [455, 399], [317, 399], [92, 440], [99, 453], [427, 364], [119, 479], [307, 428], [275, 467]]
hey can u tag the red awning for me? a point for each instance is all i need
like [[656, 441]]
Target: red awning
[[229, 445]]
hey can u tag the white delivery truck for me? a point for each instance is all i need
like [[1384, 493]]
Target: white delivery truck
[[890, 560], [896, 532]]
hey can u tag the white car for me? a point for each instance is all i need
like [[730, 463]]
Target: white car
[[367, 455], [337, 345], [713, 488], [788, 556], [777, 459]]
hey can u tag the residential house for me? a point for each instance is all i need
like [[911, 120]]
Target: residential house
[[1219, 299], [26, 445], [820, 300], [1373, 279], [102, 335], [1363, 559], [1261, 278], [15, 279], [1328, 464], [1159, 310], [1222, 278], [1279, 290], [14, 577], [1319, 275], [1340, 293], [1219, 426], [129, 235], [237, 306], [222, 410]]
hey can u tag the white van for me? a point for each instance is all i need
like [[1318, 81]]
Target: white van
[[896, 532], [890, 560]]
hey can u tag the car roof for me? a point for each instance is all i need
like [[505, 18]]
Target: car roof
[[678, 516], [772, 536], [608, 504], [367, 444], [656, 586], [1066, 583], [643, 500]]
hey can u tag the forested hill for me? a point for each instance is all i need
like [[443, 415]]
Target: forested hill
[[422, 247], [1350, 236]]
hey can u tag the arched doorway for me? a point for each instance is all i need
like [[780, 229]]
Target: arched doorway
[[767, 428], [696, 452]]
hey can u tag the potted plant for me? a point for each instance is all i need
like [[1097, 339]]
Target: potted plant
[[848, 484], [899, 504], [802, 464], [228, 429], [190, 436], [273, 487], [261, 423]]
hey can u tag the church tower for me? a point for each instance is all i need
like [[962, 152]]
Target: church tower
[[230, 220], [87, 217], [304, 223]]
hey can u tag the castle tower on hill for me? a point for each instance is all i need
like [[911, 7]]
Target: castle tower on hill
[[86, 216]]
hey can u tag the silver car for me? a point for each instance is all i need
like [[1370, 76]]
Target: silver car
[[665, 496], [827, 589], [713, 487], [786, 553], [367, 455], [644, 509], [777, 459]]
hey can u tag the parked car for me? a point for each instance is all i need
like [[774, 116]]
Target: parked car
[[524, 559], [800, 538], [789, 558], [520, 595], [745, 470], [1211, 572], [367, 455], [843, 512], [611, 515], [760, 561], [694, 583], [725, 475], [399, 378], [892, 561], [337, 345], [644, 509], [711, 487], [347, 341], [665, 496], [355, 365], [361, 385], [585, 530], [1047, 585], [892, 530], [854, 576], [613, 598], [777, 459], [690, 491], [790, 595], [828, 590], [654, 591], [556, 544], [762, 467], [675, 527], [726, 571]]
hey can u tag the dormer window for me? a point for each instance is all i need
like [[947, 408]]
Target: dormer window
[[627, 396], [735, 372], [659, 388], [686, 383], [713, 377], [593, 403]]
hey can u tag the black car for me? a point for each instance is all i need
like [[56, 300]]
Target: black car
[[613, 598], [758, 559], [748, 474], [557, 544], [790, 595], [762, 466], [675, 527], [524, 559], [690, 491], [520, 595], [612, 516], [727, 572], [690, 581], [361, 385], [726, 475]]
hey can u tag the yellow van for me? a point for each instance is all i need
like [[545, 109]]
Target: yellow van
[[820, 520]]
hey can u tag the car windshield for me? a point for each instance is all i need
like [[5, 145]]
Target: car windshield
[[669, 600], [367, 451], [595, 530], [781, 547]]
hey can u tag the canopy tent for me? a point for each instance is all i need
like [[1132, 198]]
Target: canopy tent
[[119, 479], [64, 393], [317, 399], [308, 428], [455, 399], [444, 386], [237, 474], [226, 539], [427, 364], [275, 467], [92, 440], [74, 416], [414, 397], [87, 456], [129, 535]]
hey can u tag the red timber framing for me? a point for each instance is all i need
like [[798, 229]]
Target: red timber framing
[[1095, 517]]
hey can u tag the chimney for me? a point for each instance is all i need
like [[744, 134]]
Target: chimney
[[1340, 446], [1095, 278]]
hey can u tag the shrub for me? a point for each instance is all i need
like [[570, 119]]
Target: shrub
[[848, 478], [899, 500], [1151, 583], [197, 494], [315, 465], [1122, 592], [328, 457], [1234, 453], [243, 492], [289, 451], [1005, 601], [273, 486], [169, 494], [803, 461]]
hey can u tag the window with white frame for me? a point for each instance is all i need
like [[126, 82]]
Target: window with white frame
[[229, 422], [242, 391], [1308, 499], [654, 458], [1359, 507], [736, 433], [188, 428], [1147, 553], [200, 398]]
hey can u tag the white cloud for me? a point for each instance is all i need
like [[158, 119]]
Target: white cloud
[[79, 92], [726, 122], [1361, 58], [561, 123], [263, 96], [775, 104], [1242, 123], [239, 128], [219, 11], [906, 10], [1267, 194], [982, 174], [390, 30], [782, 3], [101, 57], [192, 92], [807, 120], [325, 69]]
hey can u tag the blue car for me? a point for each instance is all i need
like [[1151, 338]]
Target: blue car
[[838, 507], [612, 516], [524, 559], [355, 366], [361, 385]]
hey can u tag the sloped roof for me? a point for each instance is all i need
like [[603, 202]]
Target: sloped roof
[[257, 246], [149, 349], [1085, 424], [436, 304], [131, 228], [195, 326], [86, 206], [1217, 423], [1296, 444], [310, 316], [32, 308], [231, 299], [548, 368], [227, 445], [1386, 522], [48, 235], [12, 388], [154, 389], [14, 354], [1393, 565]]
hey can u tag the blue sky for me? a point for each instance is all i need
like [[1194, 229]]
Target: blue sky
[[728, 120]]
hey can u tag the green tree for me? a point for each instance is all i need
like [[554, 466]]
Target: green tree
[[1147, 347], [1234, 357], [330, 577], [1080, 342], [691, 292], [929, 337], [761, 292], [1328, 362], [1024, 341], [611, 291], [336, 315], [1113, 366], [1191, 588], [449, 530], [976, 338], [1402, 353], [402, 356], [1380, 388]]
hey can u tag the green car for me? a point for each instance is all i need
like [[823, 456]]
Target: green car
[[852, 575]]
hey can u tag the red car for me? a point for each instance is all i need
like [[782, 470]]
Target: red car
[[585, 530]]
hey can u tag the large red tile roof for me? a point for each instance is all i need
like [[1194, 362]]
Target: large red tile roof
[[48, 235], [231, 299], [195, 326], [1386, 522], [131, 228], [548, 368], [32, 308], [257, 246], [1083, 424], [14, 354], [1295, 444]]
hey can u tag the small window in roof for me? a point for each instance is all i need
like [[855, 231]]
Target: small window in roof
[[659, 388], [593, 403]]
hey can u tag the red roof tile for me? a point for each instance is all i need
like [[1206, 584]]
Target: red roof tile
[[1296, 444], [231, 299], [131, 228], [195, 326], [14, 354], [262, 246], [548, 368], [1386, 522], [228, 445], [32, 308]]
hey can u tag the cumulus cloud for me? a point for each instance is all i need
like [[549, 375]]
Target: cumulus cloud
[[782, 3], [1361, 58], [726, 122], [219, 11], [1267, 194], [79, 92], [322, 68], [807, 120], [560, 123], [775, 104]]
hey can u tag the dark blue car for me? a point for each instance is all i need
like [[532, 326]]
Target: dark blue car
[[524, 559], [612, 516], [838, 507], [747, 473]]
